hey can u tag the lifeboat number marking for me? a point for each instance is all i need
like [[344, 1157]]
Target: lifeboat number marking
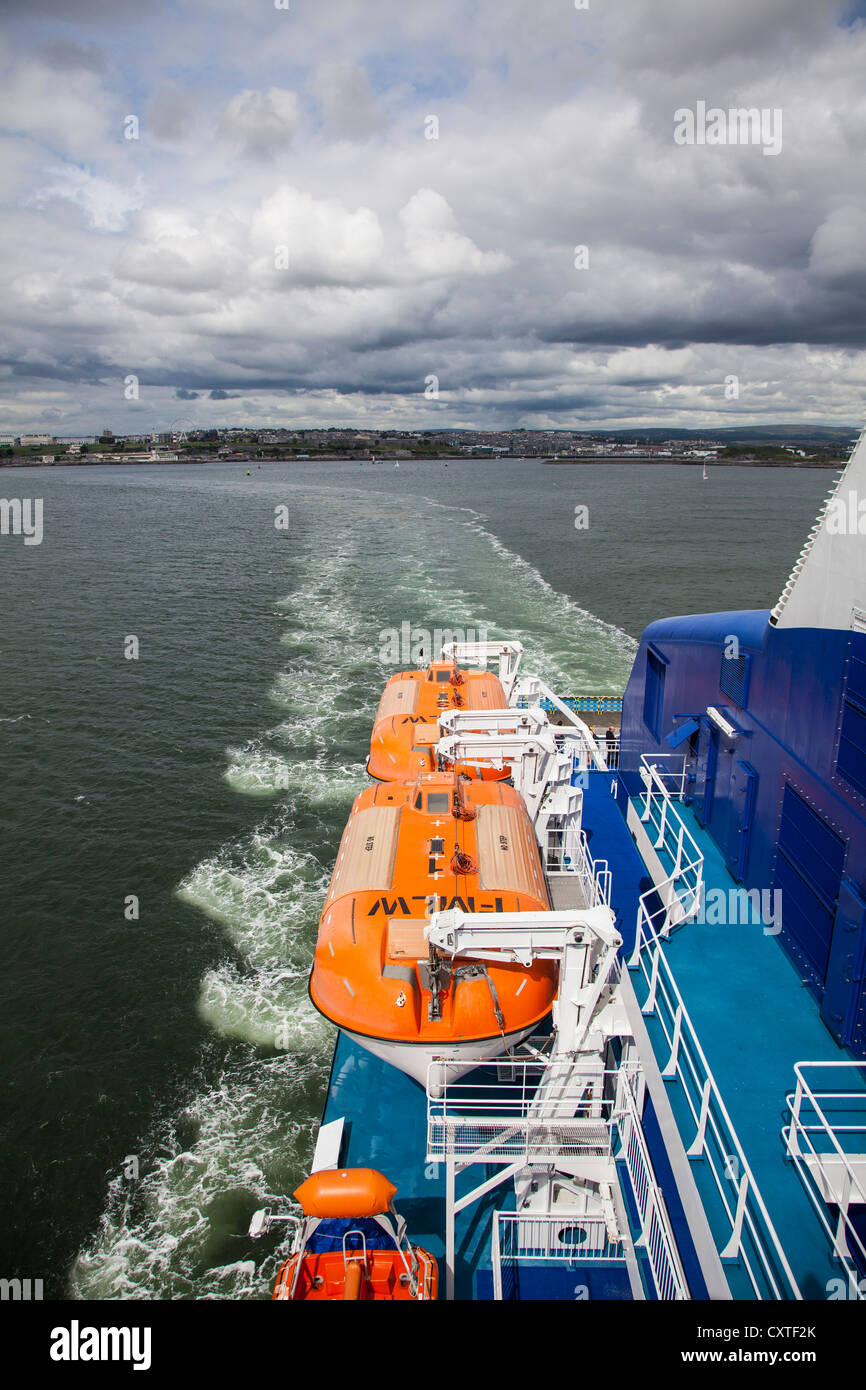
[[389, 906]]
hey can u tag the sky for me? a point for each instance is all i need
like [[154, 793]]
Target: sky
[[397, 214]]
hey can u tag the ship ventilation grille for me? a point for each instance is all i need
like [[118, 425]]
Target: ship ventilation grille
[[810, 541]]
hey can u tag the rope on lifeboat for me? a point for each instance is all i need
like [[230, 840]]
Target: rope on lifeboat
[[498, 1014], [459, 809], [474, 971], [462, 863]]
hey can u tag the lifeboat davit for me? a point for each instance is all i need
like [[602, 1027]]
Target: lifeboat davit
[[468, 845], [406, 727], [351, 1245]]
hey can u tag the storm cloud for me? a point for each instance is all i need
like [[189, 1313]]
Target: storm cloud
[[294, 216]]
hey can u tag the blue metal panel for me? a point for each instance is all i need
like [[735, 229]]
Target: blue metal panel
[[744, 789], [807, 922], [843, 1003], [808, 872], [855, 682], [851, 758], [684, 731], [654, 692], [705, 771], [812, 846]]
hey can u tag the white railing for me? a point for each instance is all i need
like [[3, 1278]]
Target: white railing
[[610, 749], [831, 1171], [567, 852], [748, 1234], [656, 1236], [532, 690], [680, 893], [540, 1109], [663, 786], [551, 1237], [678, 903], [670, 770], [537, 1110]]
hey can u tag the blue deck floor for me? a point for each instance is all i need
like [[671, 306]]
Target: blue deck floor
[[755, 1019]]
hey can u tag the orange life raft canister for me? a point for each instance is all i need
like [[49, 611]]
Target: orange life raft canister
[[345, 1192]]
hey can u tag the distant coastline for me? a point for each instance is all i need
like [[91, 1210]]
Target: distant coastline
[[101, 461], [710, 462]]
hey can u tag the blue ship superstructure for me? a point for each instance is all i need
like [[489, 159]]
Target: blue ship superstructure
[[692, 1124], [771, 724]]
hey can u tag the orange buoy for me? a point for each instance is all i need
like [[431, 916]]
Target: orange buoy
[[345, 1192]]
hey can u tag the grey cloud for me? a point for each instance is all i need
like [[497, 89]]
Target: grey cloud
[[403, 257], [673, 35], [85, 11], [347, 101], [63, 54], [170, 113], [262, 121]]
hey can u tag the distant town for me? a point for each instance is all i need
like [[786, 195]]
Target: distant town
[[790, 446]]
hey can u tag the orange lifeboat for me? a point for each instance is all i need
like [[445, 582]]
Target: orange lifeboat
[[468, 845], [351, 1245], [406, 727]]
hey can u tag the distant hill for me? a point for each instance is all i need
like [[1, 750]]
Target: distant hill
[[791, 434]]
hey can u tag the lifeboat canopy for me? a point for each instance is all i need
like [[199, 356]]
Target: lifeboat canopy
[[346, 1192]]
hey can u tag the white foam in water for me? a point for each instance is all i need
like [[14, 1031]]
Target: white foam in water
[[264, 903], [258, 770], [270, 1009], [173, 1232], [255, 770]]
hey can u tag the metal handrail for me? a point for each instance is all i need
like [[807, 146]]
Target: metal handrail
[[650, 762], [646, 930], [540, 1226], [533, 1106], [594, 874], [716, 1138], [853, 1189], [656, 1234], [680, 892], [655, 784]]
